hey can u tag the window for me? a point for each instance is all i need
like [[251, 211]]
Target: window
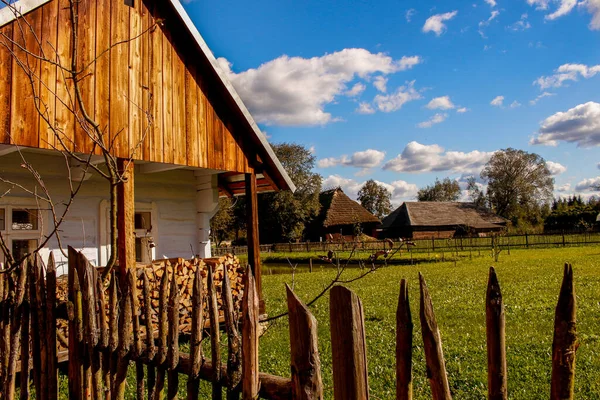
[[144, 243], [20, 227]]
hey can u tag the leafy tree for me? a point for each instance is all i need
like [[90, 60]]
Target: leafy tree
[[446, 190], [221, 224], [284, 215], [376, 198], [475, 193], [519, 183]]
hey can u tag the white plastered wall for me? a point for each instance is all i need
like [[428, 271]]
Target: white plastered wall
[[181, 204]]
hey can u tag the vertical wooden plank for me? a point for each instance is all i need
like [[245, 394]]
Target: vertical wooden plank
[[86, 53], [432, 343], [146, 97], [6, 34], [75, 356], [136, 112], [215, 334], [26, 333], [404, 332], [306, 365], [109, 360], [212, 154], [102, 67], [252, 233], [191, 115], [51, 328], [179, 132], [234, 356], [65, 106], [48, 77], [173, 339], [217, 134], [150, 348], [25, 79], [119, 76], [348, 346], [156, 88], [40, 324], [167, 132], [202, 126], [126, 218], [137, 333], [496, 339], [6, 326], [564, 345], [18, 295], [196, 336], [125, 330], [163, 321], [250, 367]]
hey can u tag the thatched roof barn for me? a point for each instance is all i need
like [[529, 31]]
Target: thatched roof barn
[[339, 217], [427, 219]]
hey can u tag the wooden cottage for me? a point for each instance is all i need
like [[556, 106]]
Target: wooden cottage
[[436, 219], [340, 217], [128, 83]]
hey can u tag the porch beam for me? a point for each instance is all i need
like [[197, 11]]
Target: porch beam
[[252, 235], [126, 217]]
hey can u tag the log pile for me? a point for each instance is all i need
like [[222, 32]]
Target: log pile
[[184, 275]]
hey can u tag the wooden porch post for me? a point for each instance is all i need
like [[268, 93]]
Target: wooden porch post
[[252, 234], [126, 218]]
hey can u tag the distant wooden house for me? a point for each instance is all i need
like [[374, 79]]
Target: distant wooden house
[[432, 219], [340, 217]]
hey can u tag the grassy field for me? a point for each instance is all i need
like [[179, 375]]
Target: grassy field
[[530, 281]]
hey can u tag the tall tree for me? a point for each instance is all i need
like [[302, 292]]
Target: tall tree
[[284, 215], [221, 224], [519, 183], [446, 190], [376, 198]]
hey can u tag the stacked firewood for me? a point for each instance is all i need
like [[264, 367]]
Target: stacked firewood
[[184, 276]]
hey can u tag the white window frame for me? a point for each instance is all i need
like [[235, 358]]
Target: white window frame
[[104, 234], [9, 234]]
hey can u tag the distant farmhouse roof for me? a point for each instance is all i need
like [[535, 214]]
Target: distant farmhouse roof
[[437, 214], [339, 209]]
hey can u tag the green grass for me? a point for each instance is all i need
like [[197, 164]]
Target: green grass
[[530, 281]]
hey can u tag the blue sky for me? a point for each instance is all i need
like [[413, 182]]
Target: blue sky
[[404, 92]]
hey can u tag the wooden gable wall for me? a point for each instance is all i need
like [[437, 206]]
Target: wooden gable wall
[[150, 88]]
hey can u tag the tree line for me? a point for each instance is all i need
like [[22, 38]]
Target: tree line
[[514, 184]]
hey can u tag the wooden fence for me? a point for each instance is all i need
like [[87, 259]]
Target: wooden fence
[[109, 330], [433, 245]]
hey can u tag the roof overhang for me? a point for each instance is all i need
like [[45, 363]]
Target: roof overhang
[[266, 162]]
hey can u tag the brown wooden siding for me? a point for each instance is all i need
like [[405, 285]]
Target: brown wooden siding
[[145, 89]]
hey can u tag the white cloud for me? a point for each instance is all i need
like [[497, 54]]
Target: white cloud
[[515, 104], [541, 96], [435, 23], [565, 7], [295, 90], [555, 168], [395, 101], [590, 184], [401, 190], [356, 90], [380, 83], [441, 103], [409, 14], [417, 158], [539, 4], [436, 119], [521, 25], [566, 72], [361, 159], [483, 24], [365, 108], [580, 125], [498, 101], [492, 3], [564, 188], [593, 7], [462, 110]]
